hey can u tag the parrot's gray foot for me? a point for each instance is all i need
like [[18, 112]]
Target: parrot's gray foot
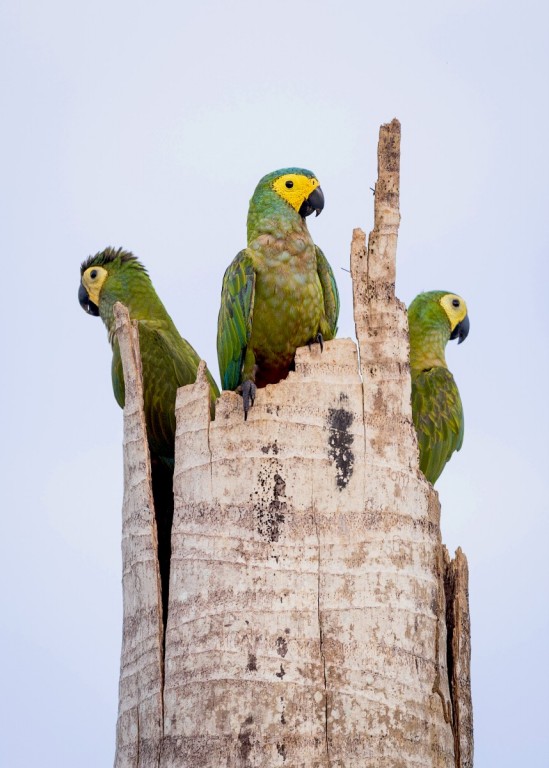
[[319, 339], [248, 396]]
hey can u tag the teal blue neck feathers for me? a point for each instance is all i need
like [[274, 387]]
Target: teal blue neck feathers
[[430, 352], [269, 214], [429, 332]]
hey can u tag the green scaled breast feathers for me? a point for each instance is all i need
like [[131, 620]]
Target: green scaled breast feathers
[[279, 293], [434, 318], [168, 360]]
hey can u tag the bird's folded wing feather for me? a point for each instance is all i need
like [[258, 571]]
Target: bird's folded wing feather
[[438, 419], [168, 362], [329, 287], [234, 325]]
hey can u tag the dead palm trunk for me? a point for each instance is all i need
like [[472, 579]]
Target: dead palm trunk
[[314, 617]]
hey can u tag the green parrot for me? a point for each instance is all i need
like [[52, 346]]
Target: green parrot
[[168, 362], [279, 293], [434, 318]]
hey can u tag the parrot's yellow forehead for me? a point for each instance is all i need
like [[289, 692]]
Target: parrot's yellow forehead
[[295, 188], [92, 280], [455, 307]]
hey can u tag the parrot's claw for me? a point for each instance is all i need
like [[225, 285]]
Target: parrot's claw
[[319, 339], [248, 396]]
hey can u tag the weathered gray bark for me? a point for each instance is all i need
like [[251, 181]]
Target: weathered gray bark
[[311, 599], [456, 583], [139, 728]]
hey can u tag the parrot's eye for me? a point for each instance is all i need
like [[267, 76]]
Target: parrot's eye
[[93, 274], [455, 302], [289, 184]]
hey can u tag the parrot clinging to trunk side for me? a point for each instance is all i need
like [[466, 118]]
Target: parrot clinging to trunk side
[[168, 362], [434, 318], [279, 293]]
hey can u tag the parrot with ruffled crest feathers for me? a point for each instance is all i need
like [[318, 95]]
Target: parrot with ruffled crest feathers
[[168, 362], [434, 318], [279, 293]]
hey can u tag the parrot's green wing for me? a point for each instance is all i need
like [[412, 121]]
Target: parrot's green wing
[[438, 419], [234, 325], [117, 374], [168, 362], [329, 287]]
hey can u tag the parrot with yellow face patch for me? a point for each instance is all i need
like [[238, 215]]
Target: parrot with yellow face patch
[[168, 362], [279, 293], [434, 318]]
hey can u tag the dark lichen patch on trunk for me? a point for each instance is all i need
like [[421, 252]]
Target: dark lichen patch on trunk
[[270, 447], [340, 441], [251, 666], [245, 740], [269, 505], [281, 646]]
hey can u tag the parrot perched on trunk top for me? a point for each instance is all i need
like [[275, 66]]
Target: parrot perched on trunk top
[[168, 362], [434, 318], [279, 293]]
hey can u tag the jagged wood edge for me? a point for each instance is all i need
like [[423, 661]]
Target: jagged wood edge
[[458, 622], [140, 716]]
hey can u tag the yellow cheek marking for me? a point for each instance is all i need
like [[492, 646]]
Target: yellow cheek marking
[[93, 285], [300, 191], [455, 314]]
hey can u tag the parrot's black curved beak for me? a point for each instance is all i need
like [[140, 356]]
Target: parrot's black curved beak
[[315, 202], [86, 303], [461, 331]]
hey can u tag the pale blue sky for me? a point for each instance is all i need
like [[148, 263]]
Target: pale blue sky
[[148, 126]]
